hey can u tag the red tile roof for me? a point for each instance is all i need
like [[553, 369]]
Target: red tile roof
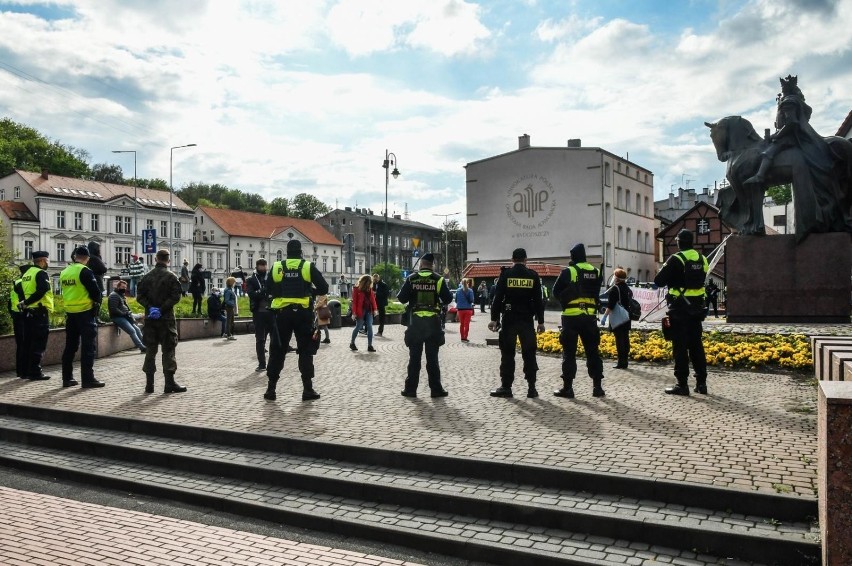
[[492, 269], [17, 211], [69, 187], [256, 225]]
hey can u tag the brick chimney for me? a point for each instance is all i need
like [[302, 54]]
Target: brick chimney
[[524, 141], [44, 173]]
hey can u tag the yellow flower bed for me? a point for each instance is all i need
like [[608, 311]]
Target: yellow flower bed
[[789, 351]]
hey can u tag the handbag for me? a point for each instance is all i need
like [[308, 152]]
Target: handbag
[[667, 328], [618, 315]]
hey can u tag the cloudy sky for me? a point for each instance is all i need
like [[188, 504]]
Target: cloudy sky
[[290, 96]]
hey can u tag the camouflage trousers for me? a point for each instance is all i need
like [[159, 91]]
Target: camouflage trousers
[[158, 333]]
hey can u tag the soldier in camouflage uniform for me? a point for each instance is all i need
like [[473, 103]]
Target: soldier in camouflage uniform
[[159, 291]]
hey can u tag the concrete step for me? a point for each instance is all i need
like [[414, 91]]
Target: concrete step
[[517, 507]]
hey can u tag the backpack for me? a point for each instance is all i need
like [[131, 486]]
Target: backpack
[[634, 309]]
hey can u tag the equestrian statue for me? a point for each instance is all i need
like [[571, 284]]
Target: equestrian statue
[[819, 168]]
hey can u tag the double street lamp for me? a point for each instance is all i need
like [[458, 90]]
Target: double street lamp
[[171, 192], [446, 235], [136, 249], [390, 161]]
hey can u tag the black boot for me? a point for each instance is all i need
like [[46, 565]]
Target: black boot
[[308, 393], [597, 388], [567, 390], [701, 387], [681, 388], [270, 390], [149, 383], [502, 391], [172, 386]]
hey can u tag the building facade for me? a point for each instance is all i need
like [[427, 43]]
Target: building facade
[[708, 228], [57, 214], [228, 240], [546, 199], [407, 239], [673, 207]]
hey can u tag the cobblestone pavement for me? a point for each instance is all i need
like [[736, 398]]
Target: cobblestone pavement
[[755, 431], [44, 530]]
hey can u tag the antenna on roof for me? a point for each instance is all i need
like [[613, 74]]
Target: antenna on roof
[[406, 212]]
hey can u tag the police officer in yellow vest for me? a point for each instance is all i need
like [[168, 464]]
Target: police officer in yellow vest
[[577, 289], [295, 282], [82, 298], [684, 274], [424, 292], [16, 295], [36, 304], [518, 298]]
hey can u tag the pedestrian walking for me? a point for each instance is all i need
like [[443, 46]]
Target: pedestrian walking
[[257, 288], [82, 298], [684, 274], [196, 287], [16, 296], [184, 278], [464, 308], [159, 292], [295, 282], [518, 301], [136, 270], [363, 310], [382, 292], [577, 289], [229, 302], [620, 294], [424, 292], [36, 305], [482, 296], [122, 316]]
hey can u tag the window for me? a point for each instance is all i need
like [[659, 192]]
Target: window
[[608, 254], [619, 196], [209, 263], [608, 215], [638, 204], [779, 220], [279, 256], [177, 230], [381, 239], [629, 233], [627, 199], [177, 257], [149, 224], [211, 234], [60, 219], [360, 266], [96, 223], [17, 192], [372, 237], [122, 255], [149, 260], [396, 241], [28, 249], [607, 175], [219, 259], [620, 237], [647, 247], [324, 264], [638, 240], [164, 229], [238, 258], [250, 258], [123, 224], [60, 252], [198, 257], [646, 207], [128, 224], [78, 220], [637, 175]]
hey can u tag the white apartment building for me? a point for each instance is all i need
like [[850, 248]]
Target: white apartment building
[[546, 199], [57, 214], [227, 239]]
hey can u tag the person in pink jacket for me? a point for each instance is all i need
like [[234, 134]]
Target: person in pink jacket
[[364, 308]]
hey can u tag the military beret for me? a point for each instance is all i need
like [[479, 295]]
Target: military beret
[[40, 254]]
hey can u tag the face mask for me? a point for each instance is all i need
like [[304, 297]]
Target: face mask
[[121, 291]]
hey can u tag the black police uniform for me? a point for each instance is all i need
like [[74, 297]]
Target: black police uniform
[[81, 331], [577, 289], [256, 287], [291, 298], [36, 321], [518, 298], [424, 292], [684, 274]]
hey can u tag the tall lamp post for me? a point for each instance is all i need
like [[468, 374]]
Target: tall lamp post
[[446, 243], [136, 249], [171, 192], [390, 161]]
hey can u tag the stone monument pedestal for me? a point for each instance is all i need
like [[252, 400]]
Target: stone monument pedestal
[[773, 279], [835, 471]]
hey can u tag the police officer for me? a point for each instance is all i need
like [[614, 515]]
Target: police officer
[[16, 295], [424, 293], [684, 274], [82, 298], [577, 289], [518, 298], [36, 304], [256, 287], [294, 284], [159, 291]]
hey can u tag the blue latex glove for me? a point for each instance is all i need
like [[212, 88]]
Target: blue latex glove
[[154, 313]]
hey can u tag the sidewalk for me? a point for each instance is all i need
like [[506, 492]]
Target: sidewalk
[[43, 530], [755, 431]]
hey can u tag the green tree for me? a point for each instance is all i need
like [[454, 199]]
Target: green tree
[[22, 147], [456, 249], [308, 206], [107, 173], [279, 206], [8, 273], [391, 274], [781, 195], [157, 184]]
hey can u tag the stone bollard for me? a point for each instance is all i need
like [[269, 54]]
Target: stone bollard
[[835, 472]]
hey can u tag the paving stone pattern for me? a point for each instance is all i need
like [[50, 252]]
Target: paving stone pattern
[[378, 475], [604, 550], [755, 431], [42, 530]]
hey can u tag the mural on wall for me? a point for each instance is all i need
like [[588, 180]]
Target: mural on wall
[[530, 204]]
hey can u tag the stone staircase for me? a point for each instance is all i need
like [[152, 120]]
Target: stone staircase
[[495, 512]]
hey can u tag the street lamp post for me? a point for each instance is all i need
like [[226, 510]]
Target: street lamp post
[[390, 160], [446, 243], [171, 192], [136, 249]]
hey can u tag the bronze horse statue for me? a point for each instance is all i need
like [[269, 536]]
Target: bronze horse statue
[[822, 186]]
